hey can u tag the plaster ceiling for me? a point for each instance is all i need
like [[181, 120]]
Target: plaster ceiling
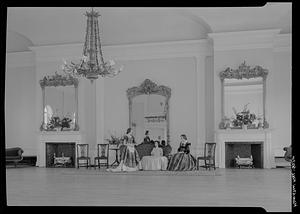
[[63, 25]]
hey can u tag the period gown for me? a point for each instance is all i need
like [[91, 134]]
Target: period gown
[[156, 161], [129, 156], [182, 160]]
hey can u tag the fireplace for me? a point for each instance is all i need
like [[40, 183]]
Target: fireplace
[[55, 152], [256, 142], [63, 137], [244, 150]]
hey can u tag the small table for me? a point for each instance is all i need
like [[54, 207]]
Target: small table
[[117, 159]]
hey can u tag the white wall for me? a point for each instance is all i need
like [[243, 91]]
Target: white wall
[[280, 101], [20, 105]]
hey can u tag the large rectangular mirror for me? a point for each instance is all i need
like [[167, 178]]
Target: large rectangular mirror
[[148, 114], [243, 93], [149, 111], [243, 97], [60, 103]]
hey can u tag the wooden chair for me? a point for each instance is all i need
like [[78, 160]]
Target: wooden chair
[[102, 154], [209, 156], [83, 154]]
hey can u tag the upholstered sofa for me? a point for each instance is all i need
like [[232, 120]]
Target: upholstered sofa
[[13, 155]]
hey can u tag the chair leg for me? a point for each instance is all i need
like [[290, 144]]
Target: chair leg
[[197, 164]]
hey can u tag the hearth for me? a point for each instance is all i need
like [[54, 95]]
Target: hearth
[[244, 150], [60, 154]]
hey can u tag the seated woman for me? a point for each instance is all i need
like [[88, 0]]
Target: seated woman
[[182, 160], [156, 161], [130, 160]]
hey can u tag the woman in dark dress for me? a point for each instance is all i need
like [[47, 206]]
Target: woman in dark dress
[[182, 160], [147, 138]]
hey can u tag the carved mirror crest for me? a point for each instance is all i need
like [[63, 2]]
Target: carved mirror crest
[[240, 88], [150, 96], [60, 103]]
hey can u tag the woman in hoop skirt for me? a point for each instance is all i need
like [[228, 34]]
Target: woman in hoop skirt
[[130, 160], [182, 160]]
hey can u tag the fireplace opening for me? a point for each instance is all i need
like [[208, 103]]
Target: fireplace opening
[[60, 155], [244, 150]]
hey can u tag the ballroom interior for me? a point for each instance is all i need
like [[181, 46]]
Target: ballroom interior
[[177, 70]]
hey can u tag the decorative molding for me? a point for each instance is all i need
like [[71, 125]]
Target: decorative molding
[[244, 39], [244, 71], [149, 87], [58, 80], [142, 51], [283, 43], [20, 59]]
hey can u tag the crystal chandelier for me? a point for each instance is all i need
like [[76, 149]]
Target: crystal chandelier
[[92, 63]]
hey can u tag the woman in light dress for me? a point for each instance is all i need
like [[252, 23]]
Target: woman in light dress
[[130, 160], [156, 161]]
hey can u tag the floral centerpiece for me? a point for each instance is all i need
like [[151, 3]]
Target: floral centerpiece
[[57, 123], [243, 118], [114, 140]]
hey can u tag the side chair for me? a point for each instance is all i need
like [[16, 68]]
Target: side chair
[[209, 156], [83, 154], [102, 154]]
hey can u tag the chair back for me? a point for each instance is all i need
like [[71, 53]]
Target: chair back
[[82, 150], [103, 150], [209, 150]]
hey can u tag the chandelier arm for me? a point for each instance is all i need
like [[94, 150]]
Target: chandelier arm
[[86, 37], [99, 42]]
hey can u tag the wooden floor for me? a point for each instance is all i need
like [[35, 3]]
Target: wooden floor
[[34, 186]]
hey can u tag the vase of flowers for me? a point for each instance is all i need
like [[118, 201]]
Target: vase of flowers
[[243, 118], [115, 141]]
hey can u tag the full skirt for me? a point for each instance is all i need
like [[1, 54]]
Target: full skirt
[[130, 160], [182, 162], [154, 163]]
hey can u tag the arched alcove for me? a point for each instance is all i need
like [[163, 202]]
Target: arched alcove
[[16, 42]]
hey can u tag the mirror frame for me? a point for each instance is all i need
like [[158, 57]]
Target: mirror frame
[[59, 80], [148, 87], [243, 71]]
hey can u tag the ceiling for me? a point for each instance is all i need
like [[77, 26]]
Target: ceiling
[[35, 26]]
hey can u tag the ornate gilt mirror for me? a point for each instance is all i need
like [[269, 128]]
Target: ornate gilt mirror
[[149, 110], [243, 97], [60, 103]]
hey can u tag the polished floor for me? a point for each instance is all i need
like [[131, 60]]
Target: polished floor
[[34, 186]]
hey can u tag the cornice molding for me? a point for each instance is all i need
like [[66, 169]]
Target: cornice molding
[[283, 42], [189, 48], [20, 59], [244, 39]]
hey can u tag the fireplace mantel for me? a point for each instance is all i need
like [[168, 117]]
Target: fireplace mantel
[[240, 135], [55, 136]]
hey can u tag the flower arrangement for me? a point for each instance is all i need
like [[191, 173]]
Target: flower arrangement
[[243, 118], [113, 140], [56, 122]]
